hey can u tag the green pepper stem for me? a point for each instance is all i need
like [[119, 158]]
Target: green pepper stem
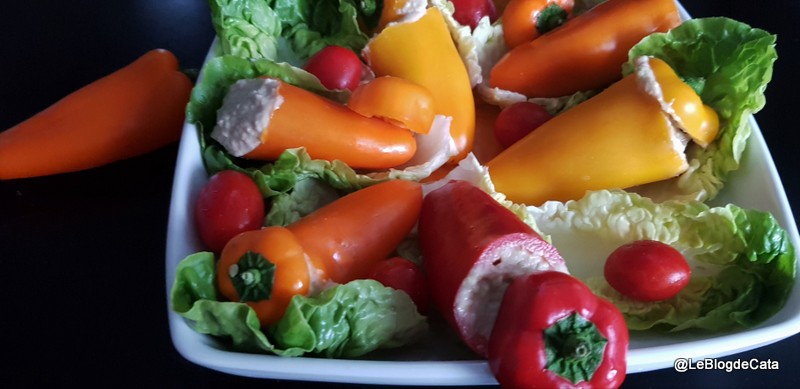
[[551, 17], [252, 277], [574, 348]]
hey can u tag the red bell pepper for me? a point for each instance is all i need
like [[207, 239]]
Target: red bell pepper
[[553, 332], [472, 247]]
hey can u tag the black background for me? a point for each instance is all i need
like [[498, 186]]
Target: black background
[[82, 254]]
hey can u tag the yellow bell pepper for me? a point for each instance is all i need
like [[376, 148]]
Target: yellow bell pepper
[[396, 100], [422, 51], [698, 120], [623, 137]]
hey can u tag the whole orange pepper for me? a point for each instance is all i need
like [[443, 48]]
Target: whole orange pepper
[[129, 112], [339, 242], [586, 52]]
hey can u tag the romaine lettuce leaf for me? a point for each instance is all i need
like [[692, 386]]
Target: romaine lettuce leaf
[[246, 28], [743, 263], [347, 320], [306, 196], [289, 30], [732, 63], [350, 320]]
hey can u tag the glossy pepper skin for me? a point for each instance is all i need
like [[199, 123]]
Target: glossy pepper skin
[[550, 320], [586, 52], [463, 233], [350, 235], [423, 52], [698, 120], [619, 138], [395, 100]]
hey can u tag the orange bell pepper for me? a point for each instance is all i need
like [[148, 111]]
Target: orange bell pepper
[[396, 100], [294, 117], [586, 52], [620, 138], [422, 51], [339, 242]]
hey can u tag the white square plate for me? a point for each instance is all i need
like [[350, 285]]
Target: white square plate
[[441, 359]]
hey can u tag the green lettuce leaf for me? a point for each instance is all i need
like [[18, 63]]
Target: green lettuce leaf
[[350, 320], [306, 196], [732, 64], [347, 320], [743, 263], [246, 28], [289, 30]]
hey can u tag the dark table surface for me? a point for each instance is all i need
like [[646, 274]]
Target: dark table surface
[[82, 260]]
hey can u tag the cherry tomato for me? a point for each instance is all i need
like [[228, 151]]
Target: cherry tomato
[[647, 270], [402, 274], [230, 203], [470, 12], [336, 67], [518, 120]]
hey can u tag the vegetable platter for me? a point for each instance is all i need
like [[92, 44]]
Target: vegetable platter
[[735, 211]]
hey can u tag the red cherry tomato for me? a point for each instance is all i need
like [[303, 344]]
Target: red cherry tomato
[[647, 270], [518, 120], [336, 67], [230, 203], [402, 274], [470, 12]]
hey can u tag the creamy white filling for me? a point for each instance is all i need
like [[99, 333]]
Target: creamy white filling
[[478, 300], [245, 114], [646, 79]]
